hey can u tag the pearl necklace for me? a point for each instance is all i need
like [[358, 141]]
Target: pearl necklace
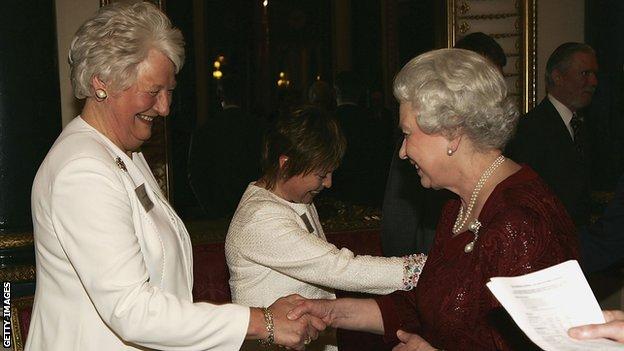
[[461, 218]]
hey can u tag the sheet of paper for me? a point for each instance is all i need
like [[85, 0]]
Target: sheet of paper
[[546, 303]]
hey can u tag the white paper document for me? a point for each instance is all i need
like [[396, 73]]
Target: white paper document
[[546, 303]]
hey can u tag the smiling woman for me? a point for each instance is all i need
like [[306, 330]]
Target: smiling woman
[[276, 245], [114, 260], [126, 117], [456, 116]]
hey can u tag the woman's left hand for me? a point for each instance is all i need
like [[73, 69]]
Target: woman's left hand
[[412, 342]]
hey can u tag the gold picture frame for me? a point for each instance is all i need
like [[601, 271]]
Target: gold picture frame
[[156, 150], [512, 23], [159, 3]]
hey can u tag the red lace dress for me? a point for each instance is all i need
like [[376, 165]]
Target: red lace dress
[[524, 228]]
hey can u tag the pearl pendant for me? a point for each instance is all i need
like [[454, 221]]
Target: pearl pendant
[[469, 247], [474, 226]]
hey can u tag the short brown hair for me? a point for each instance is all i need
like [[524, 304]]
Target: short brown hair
[[310, 139]]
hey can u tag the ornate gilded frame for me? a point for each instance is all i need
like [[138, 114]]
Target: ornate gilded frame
[[18, 273], [17, 306], [512, 23], [156, 150]]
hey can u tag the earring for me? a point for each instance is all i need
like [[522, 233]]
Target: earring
[[100, 94], [450, 152]]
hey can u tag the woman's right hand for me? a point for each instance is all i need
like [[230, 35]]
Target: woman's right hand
[[613, 328], [295, 333]]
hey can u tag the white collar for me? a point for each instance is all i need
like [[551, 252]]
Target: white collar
[[564, 112]]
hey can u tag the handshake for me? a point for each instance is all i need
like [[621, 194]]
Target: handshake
[[291, 321]]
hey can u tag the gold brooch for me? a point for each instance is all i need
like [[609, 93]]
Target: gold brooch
[[121, 164]]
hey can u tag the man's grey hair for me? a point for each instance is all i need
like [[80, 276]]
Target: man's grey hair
[[561, 58]]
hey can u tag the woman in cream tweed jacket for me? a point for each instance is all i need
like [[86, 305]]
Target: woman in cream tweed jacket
[[276, 245]]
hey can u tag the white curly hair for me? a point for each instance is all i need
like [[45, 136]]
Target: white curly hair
[[456, 92]]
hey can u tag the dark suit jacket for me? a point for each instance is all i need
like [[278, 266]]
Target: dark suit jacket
[[362, 175], [410, 212], [602, 243], [224, 157], [543, 142]]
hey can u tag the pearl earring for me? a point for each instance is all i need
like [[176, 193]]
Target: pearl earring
[[100, 94], [449, 152]]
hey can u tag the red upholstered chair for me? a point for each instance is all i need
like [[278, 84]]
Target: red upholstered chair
[[21, 310], [210, 273], [361, 242]]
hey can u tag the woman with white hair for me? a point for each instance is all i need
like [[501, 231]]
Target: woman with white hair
[[114, 261], [457, 117]]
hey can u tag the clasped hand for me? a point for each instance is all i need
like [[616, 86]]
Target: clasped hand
[[294, 333]]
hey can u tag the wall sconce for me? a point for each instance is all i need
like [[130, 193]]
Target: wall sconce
[[217, 74], [283, 80]]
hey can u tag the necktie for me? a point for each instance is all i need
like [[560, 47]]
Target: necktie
[[575, 123]]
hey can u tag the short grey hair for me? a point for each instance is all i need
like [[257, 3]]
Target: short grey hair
[[561, 58], [112, 43], [457, 92]]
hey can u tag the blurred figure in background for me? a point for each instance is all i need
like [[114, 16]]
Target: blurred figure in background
[[485, 46], [321, 95], [552, 137], [224, 155], [361, 177]]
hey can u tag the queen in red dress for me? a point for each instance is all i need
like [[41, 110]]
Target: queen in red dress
[[457, 117]]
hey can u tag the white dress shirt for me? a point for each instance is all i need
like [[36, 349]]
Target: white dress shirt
[[565, 113]]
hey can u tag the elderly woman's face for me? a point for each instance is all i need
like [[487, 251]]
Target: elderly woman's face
[[426, 152], [135, 108]]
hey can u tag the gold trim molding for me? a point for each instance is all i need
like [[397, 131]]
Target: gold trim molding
[[11, 241], [490, 16], [18, 305], [512, 23], [160, 3], [18, 274]]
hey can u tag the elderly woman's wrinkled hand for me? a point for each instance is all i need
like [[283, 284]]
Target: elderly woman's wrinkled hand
[[412, 342], [321, 309], [613, 328], [294, 333]]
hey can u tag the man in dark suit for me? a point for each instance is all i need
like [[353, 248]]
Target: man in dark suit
[[551, 138], [361, 176], [224, 155]]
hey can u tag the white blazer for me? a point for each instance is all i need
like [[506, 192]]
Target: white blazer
[[113, 272]]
